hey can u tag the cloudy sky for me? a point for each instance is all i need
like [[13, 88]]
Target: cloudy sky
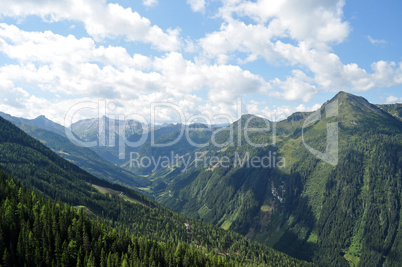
[[203, 56]]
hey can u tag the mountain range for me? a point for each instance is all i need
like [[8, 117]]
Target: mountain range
[[347, 213], [33, 177], [320, 186]]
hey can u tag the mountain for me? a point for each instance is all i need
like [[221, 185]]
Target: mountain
[[173, 134], [105, 131], [100, 129], [74, 239], [40, 122], [393, 109], [45, 173], [177, 139], [53, 136], [323, 186]]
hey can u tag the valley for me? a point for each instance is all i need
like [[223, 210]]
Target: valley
[[257, 178]]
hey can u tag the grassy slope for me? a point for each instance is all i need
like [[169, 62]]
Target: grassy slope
[[83, 157], [233, 198], [40, 169]]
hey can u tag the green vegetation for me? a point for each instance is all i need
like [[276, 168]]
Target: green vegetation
[[42, 171], [83, 157], [339, 215], [393, 109], [39, 232], [348, 214]]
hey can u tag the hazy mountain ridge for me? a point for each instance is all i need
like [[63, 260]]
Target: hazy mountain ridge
[[393, 109], [286, 207], [81, 156], [41, 170], [300, 208], [40, 122]]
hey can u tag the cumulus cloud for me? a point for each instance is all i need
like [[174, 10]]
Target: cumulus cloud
[[393, 99], [277, 113], [318, 23], [197, 5], [102, 20], [77, 68], [277, 22], [12, 96], [150, 3], [312, 27], [295, 34], [298, 86]]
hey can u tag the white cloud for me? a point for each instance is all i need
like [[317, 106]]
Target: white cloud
[[150, 3], [101, 20], [331, 74], [67, 67], [277, 113], [294, 34], [298, 86], [375, 41], [197, 5], [316, 22], [12, 96], [225, 83], [312, 28], [386, 74], [393, 99]]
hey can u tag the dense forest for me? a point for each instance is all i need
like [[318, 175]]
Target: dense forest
[[39, 232], [348, 214], [110, 205]]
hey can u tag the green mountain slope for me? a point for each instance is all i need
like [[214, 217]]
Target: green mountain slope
[[340, 215], [39, 232], [40, 122], [393, 109], [83, 157], [105, 131], [40, 169]]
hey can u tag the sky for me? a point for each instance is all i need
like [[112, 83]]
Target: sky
[[195, 60]]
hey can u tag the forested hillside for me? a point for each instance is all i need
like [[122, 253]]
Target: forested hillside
[[40, 169], [39, 232], [83, 157], [393, 109], [344, 213]]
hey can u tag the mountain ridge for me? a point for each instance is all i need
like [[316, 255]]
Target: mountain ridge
[[41, 170], [292, 208], [304, 186]]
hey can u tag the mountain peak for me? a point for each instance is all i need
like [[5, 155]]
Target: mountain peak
[[349, 103], [342, 95], [41, 117]]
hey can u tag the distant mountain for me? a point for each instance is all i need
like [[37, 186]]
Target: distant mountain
[[393, 109], [99, 129], [173, 140], [41, 170], [105, 131], [330, 190], [47, 132], [40, 121]]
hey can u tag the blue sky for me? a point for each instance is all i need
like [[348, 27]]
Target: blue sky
[[201, 56]]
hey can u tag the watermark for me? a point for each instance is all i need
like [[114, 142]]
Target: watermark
[[201, 159], [112, 127], [331, 152]]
